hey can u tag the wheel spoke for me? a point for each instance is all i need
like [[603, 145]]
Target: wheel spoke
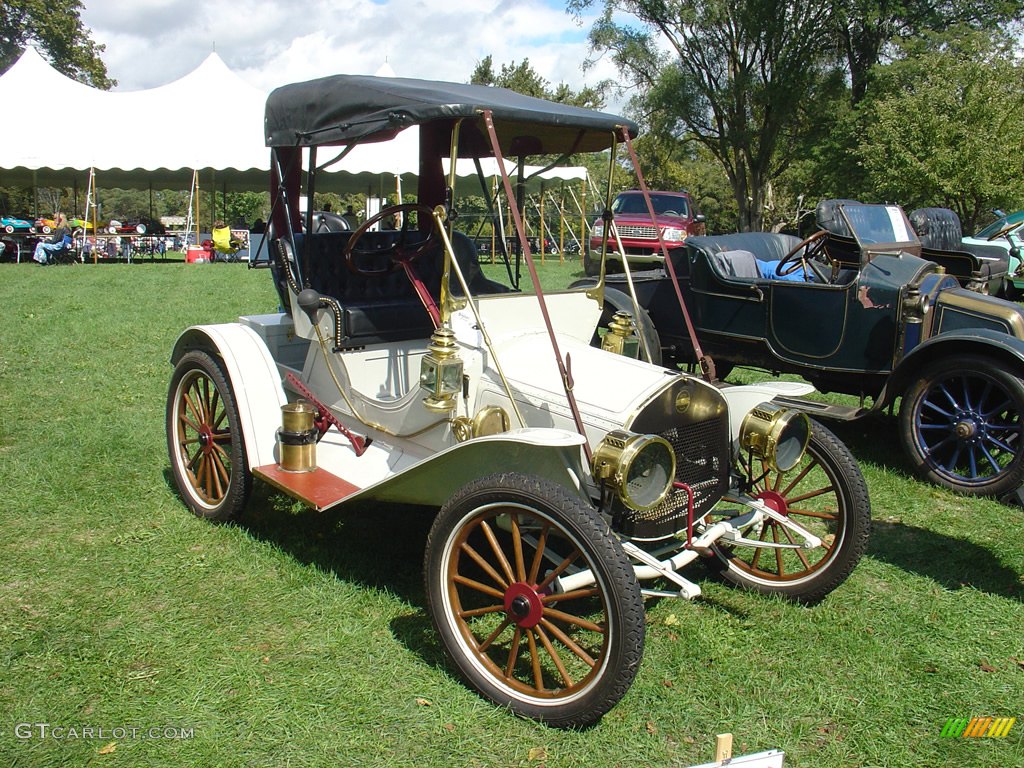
[[810, 494], [568, 618], [558, 570], [574, 595], [517, 548], [796, 480], [990, 459], [473, 612], [513, 653], [812, 513], [799, 552], [569, 643], [538, 556], [190, 405], [538, 680], [502, 560], [546, 641], [223, 475], [188, 422], [479, 560], [778, 552], [468, 582], [494, 635]]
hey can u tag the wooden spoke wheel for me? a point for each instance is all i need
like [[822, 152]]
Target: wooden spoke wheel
[[495, 563], [826, 495], [204, 439]]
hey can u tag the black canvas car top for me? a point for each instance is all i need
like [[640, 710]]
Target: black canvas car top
[[343, 109]]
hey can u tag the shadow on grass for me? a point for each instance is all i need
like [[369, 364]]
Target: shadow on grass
[[952, 562], [375, 544]]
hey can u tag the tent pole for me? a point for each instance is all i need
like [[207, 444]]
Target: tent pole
[[543, 250]]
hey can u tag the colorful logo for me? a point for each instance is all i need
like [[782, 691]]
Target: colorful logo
[[977, 727]]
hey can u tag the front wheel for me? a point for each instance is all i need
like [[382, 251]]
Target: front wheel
[[534, 599], [826, 495], [961, 426], [204, 439]]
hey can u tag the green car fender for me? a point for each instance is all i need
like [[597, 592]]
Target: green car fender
[[1000, 347]]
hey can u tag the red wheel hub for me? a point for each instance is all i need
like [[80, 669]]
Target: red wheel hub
[[206, 438], [775, 500], [523, 604]]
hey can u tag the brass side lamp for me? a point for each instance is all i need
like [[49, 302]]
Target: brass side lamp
[[621, 337], [441, 371]]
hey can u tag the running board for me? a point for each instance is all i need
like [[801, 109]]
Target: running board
[[825, 410], [319, 489]]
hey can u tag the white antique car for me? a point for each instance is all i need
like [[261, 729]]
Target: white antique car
[[565, 473]]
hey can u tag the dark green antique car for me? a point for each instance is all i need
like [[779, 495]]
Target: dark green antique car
[[853, 310]]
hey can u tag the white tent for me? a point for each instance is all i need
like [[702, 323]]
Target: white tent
[[210, 120]]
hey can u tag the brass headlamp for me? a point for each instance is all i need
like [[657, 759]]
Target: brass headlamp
[[776, 435], [639, 468]]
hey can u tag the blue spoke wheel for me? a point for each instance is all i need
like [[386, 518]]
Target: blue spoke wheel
[[962, 427]]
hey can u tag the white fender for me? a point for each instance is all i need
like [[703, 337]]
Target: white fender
[[258, 391]]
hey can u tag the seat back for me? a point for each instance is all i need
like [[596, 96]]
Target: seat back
[[764, 246], [222, 240], [828, 217], [383, 307], [734, 263], [937, 228]]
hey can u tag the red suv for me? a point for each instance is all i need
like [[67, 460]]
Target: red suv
[[675, 214]]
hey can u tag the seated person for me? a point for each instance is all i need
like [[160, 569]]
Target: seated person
[[743, 264], [770, 271], [46, 251]]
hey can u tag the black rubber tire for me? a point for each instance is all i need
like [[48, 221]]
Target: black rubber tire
[[204, 439], [826, 482], [488, 647], [978, 403]]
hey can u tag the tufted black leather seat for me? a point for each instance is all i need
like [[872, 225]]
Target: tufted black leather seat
[[383, 308]]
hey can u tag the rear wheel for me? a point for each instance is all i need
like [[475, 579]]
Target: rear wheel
[[547, 649], [826, 495], [591, 265], [204, 439], [961, 426]]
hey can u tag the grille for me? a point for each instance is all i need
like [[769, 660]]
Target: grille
[[702, 462], [638, 231]]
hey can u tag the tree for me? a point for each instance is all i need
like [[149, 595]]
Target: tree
[[864, 28], [944, 125], [739, 78], [522, 78], [56, 27]]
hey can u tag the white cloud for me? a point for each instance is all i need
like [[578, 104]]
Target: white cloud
[[152, 42]]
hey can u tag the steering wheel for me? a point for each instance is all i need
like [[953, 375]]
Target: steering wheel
[[807, 255], [1005, 229], [401, 253]]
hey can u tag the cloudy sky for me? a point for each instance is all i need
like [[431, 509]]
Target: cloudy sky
[[269, 42]]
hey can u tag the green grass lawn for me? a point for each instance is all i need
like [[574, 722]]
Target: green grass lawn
[[297, 639]]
